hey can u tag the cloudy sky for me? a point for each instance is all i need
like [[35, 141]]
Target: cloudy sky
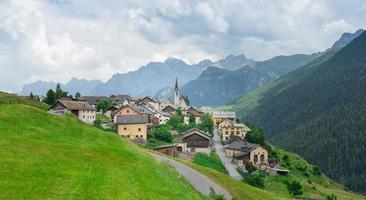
[[55, 40]]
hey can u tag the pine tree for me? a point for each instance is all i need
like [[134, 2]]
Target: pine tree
[[31, 96], [77, 95], [50, 98], [58, 93]]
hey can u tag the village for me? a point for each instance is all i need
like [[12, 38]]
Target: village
[[191, 130]]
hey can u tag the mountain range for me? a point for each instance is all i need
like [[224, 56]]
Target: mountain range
[[318, 111], [74, 85], [206, 83]]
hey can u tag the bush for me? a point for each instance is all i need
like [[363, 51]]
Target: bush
[[294, 188], [254, 180], [250, 167], [332, 197], [184, 127], [316, 171], [162, 132], [215, 196]]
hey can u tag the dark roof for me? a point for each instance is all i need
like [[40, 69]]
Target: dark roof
[[242, 153], [240, 145], [74, 105], [195, 131], [131, 119], [148, 99], [116, 99], [165, 146]]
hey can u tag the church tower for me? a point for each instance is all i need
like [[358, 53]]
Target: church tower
[[176, 94]]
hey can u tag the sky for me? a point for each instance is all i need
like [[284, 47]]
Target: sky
[[55, 40]]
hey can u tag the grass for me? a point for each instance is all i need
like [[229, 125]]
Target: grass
[[6, 98], [52, 157], [314, 186], [239, 190], [211, 161]]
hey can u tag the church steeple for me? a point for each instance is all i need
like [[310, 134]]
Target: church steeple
[[176, 94], [176, 84]]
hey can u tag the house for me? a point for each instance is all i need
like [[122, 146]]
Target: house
[[229, 128], [169, 149], [83, 110], [116, 99], [150, 102], [190, 110], [196, 141], [220, 116], [132, 109], [164, 103], [241, 151], [169, 109], [110, 112], [132, 126], [163, 117]]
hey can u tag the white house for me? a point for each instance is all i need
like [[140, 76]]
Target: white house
[[82, 109]]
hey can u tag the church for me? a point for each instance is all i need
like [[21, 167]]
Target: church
[[178, 101]]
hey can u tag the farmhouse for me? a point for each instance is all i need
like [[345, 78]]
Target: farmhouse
[[197, 141], [240, 151], [132, 126], [229, 128], [83, 110]]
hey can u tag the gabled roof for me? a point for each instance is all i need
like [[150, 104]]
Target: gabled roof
[[74, 105], [224, 114], [131, 119], [116, 99], [148, 99], [232, 123], [196, 131], [138, 109], [240, 145]]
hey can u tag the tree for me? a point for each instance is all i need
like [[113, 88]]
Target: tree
[[77, 95], [192, 119], [206, 124], [50, 97], [31, 96], [254, 180], [176, 119], [255, 135], [294, 188], [58, 92], [103, 105], [162, 132]]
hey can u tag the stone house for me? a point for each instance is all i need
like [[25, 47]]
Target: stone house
[[240, 151], [228, 129], [132, 126], [132, 109], [83, 110]]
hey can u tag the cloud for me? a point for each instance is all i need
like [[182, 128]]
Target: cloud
[[59, 39]]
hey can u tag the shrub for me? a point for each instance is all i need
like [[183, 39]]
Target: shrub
[[162, 132], [215, 196], [254, 180], [316, 171], [332, 197], [294, 188]]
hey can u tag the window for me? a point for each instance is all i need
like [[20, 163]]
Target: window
[[83, 116], [124, 128], [141, 136], [128, 111], [231, 132], [128, 136], [237, 132], [226, 132], [139, 129], [255, 158], [262, 158]]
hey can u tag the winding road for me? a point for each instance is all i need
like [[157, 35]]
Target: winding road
[[230, 167], [199, 181]]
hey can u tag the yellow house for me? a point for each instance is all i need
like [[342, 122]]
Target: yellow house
[[133, 127], [220, 116], [228, 129]]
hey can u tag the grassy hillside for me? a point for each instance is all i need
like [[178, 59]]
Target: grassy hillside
[[52, 157], [6, 98], [319, 112]]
